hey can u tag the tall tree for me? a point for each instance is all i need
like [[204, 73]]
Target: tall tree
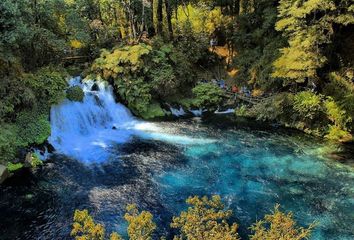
[[169, 18], [159, 16], [308, 26]]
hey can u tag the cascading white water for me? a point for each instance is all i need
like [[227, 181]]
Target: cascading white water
[[177, 112], [87, 130]]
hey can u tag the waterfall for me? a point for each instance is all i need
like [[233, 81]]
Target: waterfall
[[87, 130], [177, 112]]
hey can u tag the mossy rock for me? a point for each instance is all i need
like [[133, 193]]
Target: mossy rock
[[75, 94], [152, 111]]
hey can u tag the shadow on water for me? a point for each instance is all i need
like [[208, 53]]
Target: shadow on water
[[40, 205]]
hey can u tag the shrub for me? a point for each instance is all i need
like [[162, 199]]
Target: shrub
[[9, 142], [48, 84], [140, 224], [279, 225], [13, 167], [75, 94], [205, 219], [307, 105], [85, 228], [33, 128], [208, 95], [336, 133], [144, 74], [36, 161]]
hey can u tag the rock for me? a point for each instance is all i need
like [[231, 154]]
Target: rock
[[28, 160], [4, 173], [95, 87], [114, 128]]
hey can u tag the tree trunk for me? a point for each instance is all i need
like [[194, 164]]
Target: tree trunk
[[159, 17], [169, 17]]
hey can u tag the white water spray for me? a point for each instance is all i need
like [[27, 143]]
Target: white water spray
[[87, 130]]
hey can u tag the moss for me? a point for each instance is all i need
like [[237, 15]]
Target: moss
[[36, 161], [75, 94], [12, 167]]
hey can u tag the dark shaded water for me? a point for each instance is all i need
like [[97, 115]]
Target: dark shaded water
[[251, 168]]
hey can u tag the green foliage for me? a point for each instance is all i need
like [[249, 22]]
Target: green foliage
[[341, 89], [9, 143], [48, 85], [141, 225], [241, 111], [336, 133], [257, 43], [13, 167], [75, 94], [279, 225], [308, 25], [205, 219], [36, 161], [144, 74], [307, 104], [14, 96], [306, 111], [208, 95], [33, 128]]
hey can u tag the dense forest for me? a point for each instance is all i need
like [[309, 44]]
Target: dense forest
[[297, 56], [300, 52]]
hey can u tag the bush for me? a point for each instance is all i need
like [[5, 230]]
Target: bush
[[33, 128], [308, 105], [144, 74], [279, 225], [336, 133], [9, 142], [48, 84], [75, 94], [205, 218], [13, 167], [208, 96]]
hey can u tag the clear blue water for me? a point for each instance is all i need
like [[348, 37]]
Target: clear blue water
[[251, 168]]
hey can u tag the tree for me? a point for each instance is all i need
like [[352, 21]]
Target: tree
[[208, 95], [205, 219], [279, 225], [308, 26], [84, 227], [141, 225]]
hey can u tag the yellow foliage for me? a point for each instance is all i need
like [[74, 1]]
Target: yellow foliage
[[257, 92], [279, 225], [199, 18], [141, 225], [84, 228], [76, 44], [205, 219]]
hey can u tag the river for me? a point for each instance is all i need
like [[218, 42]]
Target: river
[[106, 159]]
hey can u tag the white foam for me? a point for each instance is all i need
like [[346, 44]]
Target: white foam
[[87, 130]]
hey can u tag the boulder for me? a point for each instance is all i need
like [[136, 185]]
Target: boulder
[[95, 87], [4, 173], [28, 160]]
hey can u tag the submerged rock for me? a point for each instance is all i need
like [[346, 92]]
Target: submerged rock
[[4, 173]]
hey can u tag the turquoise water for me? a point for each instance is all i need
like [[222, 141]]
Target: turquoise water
[[252, 168]]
